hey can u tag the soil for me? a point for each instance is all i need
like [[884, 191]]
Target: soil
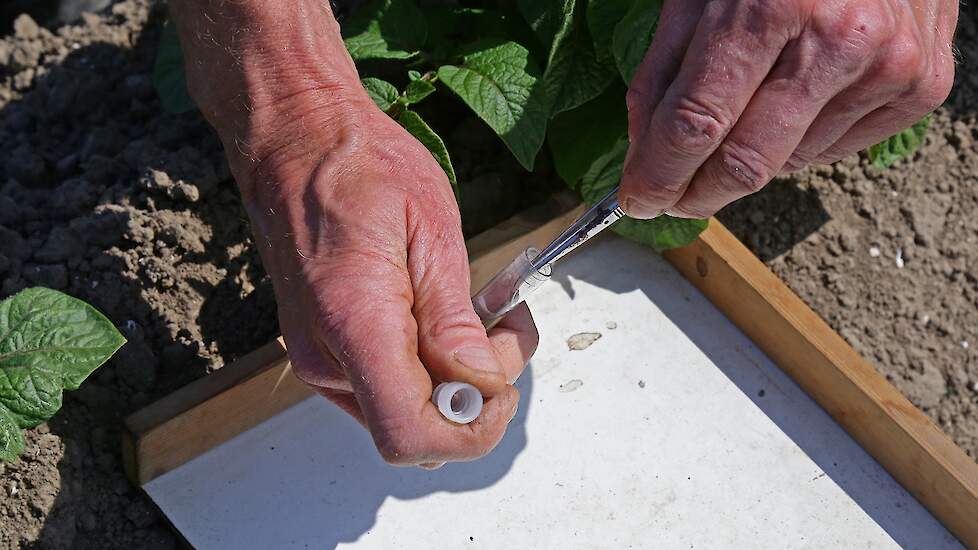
[[890, 258], [105, 197]]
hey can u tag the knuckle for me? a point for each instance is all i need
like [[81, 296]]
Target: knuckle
[[864, 25], [903, 65], [743, 169], [935, 87], [697, 127]]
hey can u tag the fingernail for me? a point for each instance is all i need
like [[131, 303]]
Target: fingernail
[[682, 213], [516, 409], [477, 358], [635, 209]]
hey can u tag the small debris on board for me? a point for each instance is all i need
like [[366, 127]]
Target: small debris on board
[[571, 385], [641, 383], [582, 340], [611, 325]]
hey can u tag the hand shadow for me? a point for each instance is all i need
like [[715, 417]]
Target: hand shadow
[[269, 482]]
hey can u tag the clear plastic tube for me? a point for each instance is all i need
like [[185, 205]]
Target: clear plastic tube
[[459, 402], [509, 287]]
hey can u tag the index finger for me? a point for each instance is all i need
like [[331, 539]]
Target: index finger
[[731, 53]]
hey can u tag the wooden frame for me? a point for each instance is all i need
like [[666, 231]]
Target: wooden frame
[[900, 437]]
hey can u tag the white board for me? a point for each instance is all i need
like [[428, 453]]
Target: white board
[[680, 434]]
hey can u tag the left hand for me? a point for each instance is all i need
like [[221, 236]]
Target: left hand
[[734, 92]]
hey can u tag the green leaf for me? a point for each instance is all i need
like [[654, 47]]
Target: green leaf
[[418, 128], [633, 35], [11, 438], [899, 146], [500, 83], [169, 77], [604, 173], [578, 137], [602, 18], [382, 92], [574, 73], [417, 90], [49, 342], [450, 28], [385, 29], [546, 17], [662, 233]]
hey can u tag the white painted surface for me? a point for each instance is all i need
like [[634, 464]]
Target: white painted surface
[[666, 442]]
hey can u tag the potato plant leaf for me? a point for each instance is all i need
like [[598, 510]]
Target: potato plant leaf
[[169, 77], [451, 28], [49, 342], [579, 136], [11, 438], [385, 29], [417, 90], [546, 17], [417, 127], [899, 146], [662, 233], [574, 73], [501, 84], [633, 35], [602, 18], [382, 92]]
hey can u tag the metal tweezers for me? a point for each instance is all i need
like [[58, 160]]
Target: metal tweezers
[[531, 268]]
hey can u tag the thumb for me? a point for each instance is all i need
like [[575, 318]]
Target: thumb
[[452, 343]]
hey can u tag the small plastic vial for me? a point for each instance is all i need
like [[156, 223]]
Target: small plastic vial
[[457, 401]]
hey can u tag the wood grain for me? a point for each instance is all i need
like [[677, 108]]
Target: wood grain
[[898, 435], [209, 411]]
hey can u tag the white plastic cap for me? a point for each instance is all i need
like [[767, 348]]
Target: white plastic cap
[[457, 401]]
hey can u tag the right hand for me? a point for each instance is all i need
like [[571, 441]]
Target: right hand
[[359, 230]]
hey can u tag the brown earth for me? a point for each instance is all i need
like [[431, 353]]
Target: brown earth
[[108, 199]]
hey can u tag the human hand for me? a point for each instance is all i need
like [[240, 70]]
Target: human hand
[[372, 281], [734, 92], [358, 229]]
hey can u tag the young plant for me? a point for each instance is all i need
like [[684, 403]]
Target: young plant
[[538, 72], [49, 342]]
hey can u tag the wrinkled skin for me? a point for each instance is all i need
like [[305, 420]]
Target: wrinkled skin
[[372, 281], [734, 92], [359, 230]]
